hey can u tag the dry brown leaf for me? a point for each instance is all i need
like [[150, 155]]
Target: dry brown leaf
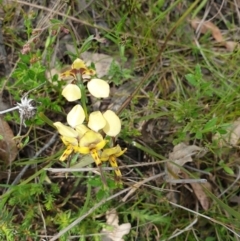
[[8, 148], [208, 26], [102, 62], [231, 45], [201, 195], [181, 154], [216, 33], [117, 231]]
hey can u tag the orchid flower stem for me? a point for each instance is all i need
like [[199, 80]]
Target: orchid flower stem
[[83, 94], [84, 100]]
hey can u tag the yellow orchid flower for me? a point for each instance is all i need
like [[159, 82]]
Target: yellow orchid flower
[[90, 143], [111, 154], [78, 66], [97, 87]]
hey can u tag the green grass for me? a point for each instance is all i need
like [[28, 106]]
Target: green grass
[[168, 91]]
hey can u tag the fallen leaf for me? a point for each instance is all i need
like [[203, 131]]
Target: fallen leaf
[[115, 231], [201, 195], [181, 154], [199, 192], [231, 45], [8, 147], [102, 62], [206, 26]]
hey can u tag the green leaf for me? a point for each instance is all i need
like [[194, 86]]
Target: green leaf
[[26, 140], [199, 135], [198, 71], [25, 58], [95, 182], [191, 79], [226, 168], [210, 125], [55, 21], [31, 74], [87, 44]]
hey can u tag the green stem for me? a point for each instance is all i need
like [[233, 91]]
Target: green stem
[[84, 100], [83, 93]]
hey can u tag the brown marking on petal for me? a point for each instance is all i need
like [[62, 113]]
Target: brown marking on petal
[[66, 153], [74, 72], [95, 156], [82, 71], [67, 73], [114, 164]]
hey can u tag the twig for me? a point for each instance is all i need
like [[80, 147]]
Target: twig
[[184, 181], [87, 169]]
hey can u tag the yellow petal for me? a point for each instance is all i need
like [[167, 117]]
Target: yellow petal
[[114, 164], [90, 139], [78, 64], [65, 75], [65, 130], [81, 130], [69, 141], [76, 116], [100, 145], [96, 121], [83, 150], [88, 72], [98, 88], [66, 153], [71, 92], [96, 158], [121, 152], [110, 151], [113, 126]]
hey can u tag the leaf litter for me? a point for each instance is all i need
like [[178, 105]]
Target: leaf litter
[[207, 26], [114, 231], [181, 154]]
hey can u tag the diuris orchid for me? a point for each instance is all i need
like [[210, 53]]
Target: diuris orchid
[[91, 143], [97, 87], [78, 138]]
